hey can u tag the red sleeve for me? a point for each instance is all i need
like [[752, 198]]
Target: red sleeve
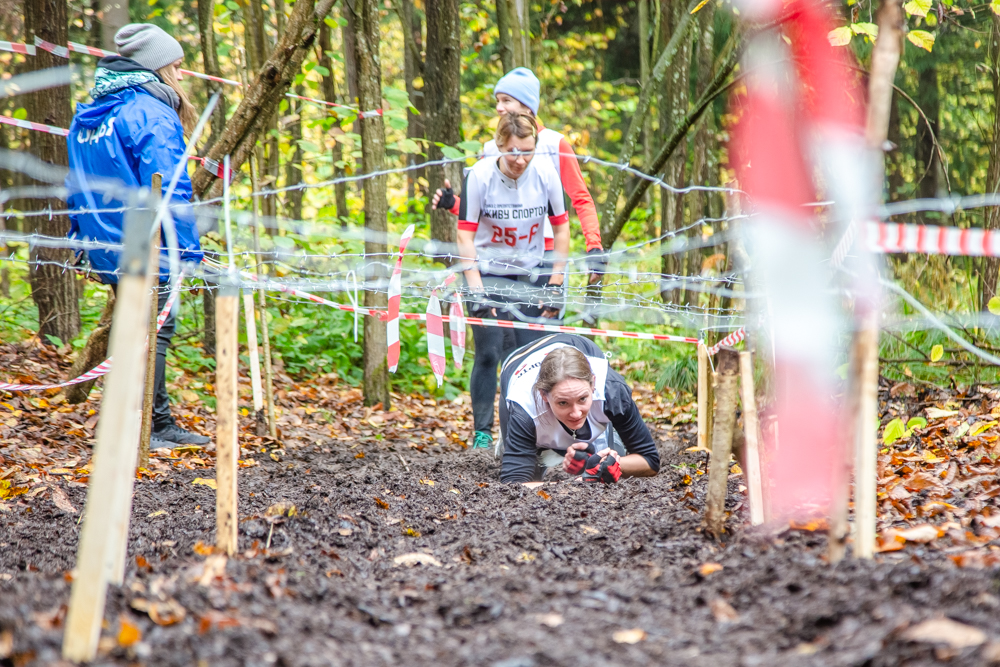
[[579, 195], [468, 225], [557, 220], [458, 203]]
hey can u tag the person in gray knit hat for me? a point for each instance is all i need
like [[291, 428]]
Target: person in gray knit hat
[[148, 45]]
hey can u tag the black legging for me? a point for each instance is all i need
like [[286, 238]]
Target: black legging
[[490, 344]]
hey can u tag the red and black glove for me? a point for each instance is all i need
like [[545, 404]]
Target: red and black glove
[[575, 466], [606, 471]]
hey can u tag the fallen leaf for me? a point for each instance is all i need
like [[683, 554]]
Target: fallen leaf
[[938, 413], [128, 634], [345, 531], [526, 557], [709, 568], [416, 559], [161, 613], [723, 611], [359, 455], [589, 530], [889, 542], [922, 533], [210, 483], [541, 492], [283, 508], [810, 526], [920, 481], [553, 620], [202, 549], [215, 566], [945, 631], [428, 482], [381, 503], [6, 644], [61, 501], [633, 636]]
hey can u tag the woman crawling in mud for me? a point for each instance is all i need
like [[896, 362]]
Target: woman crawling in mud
[[563, 405]]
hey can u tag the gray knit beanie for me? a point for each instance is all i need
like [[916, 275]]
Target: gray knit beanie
[[148, 45]]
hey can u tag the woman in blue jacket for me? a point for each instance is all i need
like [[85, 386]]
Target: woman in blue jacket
[[134, 128]]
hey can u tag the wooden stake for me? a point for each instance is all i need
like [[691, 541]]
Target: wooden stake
[[751, 430], [227, 447], [252, 351], [109, 498], [705, 402], [722, 440], [150, 389], [272, 425], [866, 451]]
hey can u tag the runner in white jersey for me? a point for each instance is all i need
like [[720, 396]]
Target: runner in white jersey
[[561, 405], [508, 199]]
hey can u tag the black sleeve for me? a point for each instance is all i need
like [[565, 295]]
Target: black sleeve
[[519, 451], [625, 417]]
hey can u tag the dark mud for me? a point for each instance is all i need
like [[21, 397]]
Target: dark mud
[[523, 578]]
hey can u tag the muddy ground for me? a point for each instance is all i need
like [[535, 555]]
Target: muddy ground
[[511, 577]]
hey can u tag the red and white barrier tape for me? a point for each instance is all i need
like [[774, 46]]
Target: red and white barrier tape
[[54, 49], [13, 47], [890, 237], [103, 367], [38, 127], [395, 293], [731, 339], [89, 50], [435, 333]]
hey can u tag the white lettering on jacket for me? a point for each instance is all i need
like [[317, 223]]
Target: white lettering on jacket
[[90, 136]]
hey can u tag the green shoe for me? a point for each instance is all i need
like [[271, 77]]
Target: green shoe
[[482, 440]]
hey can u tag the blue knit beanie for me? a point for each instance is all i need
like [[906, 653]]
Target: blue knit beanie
[[521, 84]]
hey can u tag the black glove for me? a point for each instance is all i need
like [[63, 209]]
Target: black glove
[[447, 200], [479, 307], [607, 471], [580, 457], [552, 298], [597, 261]]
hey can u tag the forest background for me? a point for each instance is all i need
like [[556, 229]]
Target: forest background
[[432, 70]]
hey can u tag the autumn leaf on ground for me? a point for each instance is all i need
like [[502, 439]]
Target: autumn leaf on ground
[[381, 503], [541, 492], [128, 634], [633, 636], [61, 501], [945, 631], [210, 483], [938, 413], [723, 611], [416, 559], [709, 568]]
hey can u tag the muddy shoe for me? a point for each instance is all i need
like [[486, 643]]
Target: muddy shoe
[[178, 436], [482, 440], [156, 443], [607, 471]]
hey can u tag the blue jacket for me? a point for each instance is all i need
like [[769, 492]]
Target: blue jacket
[[126, 135]]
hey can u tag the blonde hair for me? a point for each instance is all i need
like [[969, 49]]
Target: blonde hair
[[564, 363], [189, 117], [517, 125]]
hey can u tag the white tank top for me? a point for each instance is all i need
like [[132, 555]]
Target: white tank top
[[549, 433], [547, 146], [508, 215]]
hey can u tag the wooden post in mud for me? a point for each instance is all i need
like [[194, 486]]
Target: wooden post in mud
[[866, 451], [705, 402], [722, 440], [751, 430], [150, 389], [109, 498], [227, 447], [252, 351]]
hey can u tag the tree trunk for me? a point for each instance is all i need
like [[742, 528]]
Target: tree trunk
[[264, 93], [53, 288], [330, 93], [505, 44], [673, 108], [366, 21], [647, 125], [293, 168], [210, 58], [926, 153], [93, 353], [208, 307], [258, 52], [113, 16], [94, 32], [413, 67], [348, 38], [988, 267], [441, 99], [520, 25]]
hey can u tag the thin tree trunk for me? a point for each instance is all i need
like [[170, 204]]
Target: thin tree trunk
[[647, 125], [264, 93], [444, 109], [679, 37], [413, 67], [348, 38], [990, 266], [366, 21], [94, 33], [330, 93], [54, 289], [926, 153], [93, 353], [210, 58], [293, 168], [114, 15], [505, 44], [208, 307], [520, 24]]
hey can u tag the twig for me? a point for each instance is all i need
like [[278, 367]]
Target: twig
[[401, 460]]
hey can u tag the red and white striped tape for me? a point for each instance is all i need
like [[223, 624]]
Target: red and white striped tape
[[54, 49], [38, 127], [890, 237], [209, 77], [435, 338], [89, 50], [101, 368], [731, 339], [456, 329], [395, 293], [14, 47]]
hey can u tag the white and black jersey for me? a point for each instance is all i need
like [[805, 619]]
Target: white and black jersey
[[527, 424], [509, 215]]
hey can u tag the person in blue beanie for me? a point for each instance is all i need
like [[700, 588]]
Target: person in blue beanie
[[133, 129]]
